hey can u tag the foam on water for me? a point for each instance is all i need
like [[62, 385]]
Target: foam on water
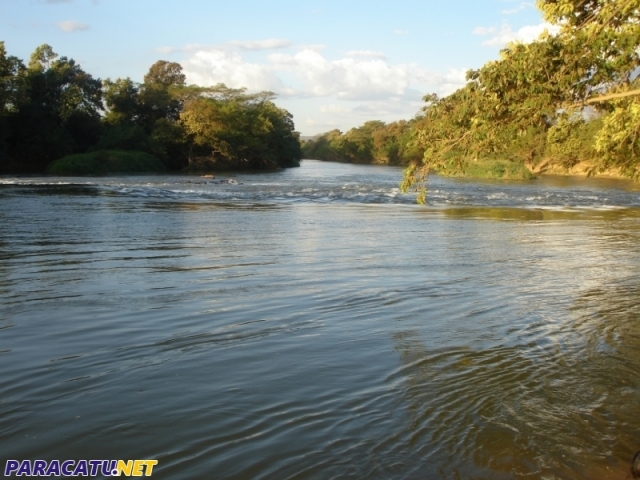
[[353, 184]]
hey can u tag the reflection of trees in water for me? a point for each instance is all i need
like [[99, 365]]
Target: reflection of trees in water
[[539, 214], [562, 401]]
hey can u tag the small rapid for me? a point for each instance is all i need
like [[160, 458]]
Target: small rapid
[[348, 184]]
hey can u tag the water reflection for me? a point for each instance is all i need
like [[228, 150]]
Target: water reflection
[[539, 214], [561, 409]]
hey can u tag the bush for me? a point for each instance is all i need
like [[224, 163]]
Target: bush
[[496, 168], [106, 161]]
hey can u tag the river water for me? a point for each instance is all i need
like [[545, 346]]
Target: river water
[[315, 323]]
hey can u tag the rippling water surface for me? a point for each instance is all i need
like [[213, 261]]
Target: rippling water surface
[[315, 323]]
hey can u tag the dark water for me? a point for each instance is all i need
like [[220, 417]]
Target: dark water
[[314, 323]]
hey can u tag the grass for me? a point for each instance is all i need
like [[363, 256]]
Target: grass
[[106, 161], [488, 168]]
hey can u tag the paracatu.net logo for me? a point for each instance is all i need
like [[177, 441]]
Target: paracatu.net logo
[[79, 468]]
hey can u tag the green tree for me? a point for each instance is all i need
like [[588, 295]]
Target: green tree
[[241, 130], [165, 73], [531, 102], [58, 114], [11, 95]]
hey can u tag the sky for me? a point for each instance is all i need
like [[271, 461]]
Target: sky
[[333, 64]]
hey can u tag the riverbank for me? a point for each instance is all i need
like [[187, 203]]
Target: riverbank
[[580, 169], [500, 169]]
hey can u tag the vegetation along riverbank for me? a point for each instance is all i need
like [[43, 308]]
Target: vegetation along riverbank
[[565, 103], [57, 118]]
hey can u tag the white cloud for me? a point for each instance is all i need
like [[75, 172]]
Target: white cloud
[[347, 78], [72, 26], [506, 34], [365, 54], [242, 45], [209, 67], [484, 30], [192, 47], [365, 75], [333, 109], [446, 83], [314, 123], [401, 32], [519, 8], [269, 44], [311, 46], [166, 49]]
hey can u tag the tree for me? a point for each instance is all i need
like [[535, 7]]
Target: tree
[[58, 113], [241, 130], [535, 95], [11, 94], [144, 117], [121, 98], [165, 73]]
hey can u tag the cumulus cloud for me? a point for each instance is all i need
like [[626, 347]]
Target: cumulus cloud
[[365, 54], [72, 26], [445, 83], [363, 75], [506, 34], [192, 47], [311, 46], [269, 44], [319, 124], [333, 109], [347, 78], [247, 45], [210, 67]]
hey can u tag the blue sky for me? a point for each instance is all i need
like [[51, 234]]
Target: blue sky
[[333, 64]]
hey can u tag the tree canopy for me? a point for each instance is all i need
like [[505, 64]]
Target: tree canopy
[[373, 142], [53, 108], [559, 100]]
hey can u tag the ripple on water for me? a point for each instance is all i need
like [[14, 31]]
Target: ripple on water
[[315, 323]]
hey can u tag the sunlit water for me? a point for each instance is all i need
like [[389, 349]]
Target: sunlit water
[[315, 323]]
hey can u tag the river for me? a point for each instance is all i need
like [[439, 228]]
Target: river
[[316, 323]]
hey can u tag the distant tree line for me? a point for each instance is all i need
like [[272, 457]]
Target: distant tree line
[[51, 108], [373, 142]]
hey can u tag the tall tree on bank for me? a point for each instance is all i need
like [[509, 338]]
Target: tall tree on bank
[[11, 93], [230, 127], [531, 102], [55, 111], [145, 116], [198, 127]]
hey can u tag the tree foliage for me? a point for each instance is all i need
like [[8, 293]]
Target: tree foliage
[[373, 142], [52, 108], [529, 107], [243, 129]]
